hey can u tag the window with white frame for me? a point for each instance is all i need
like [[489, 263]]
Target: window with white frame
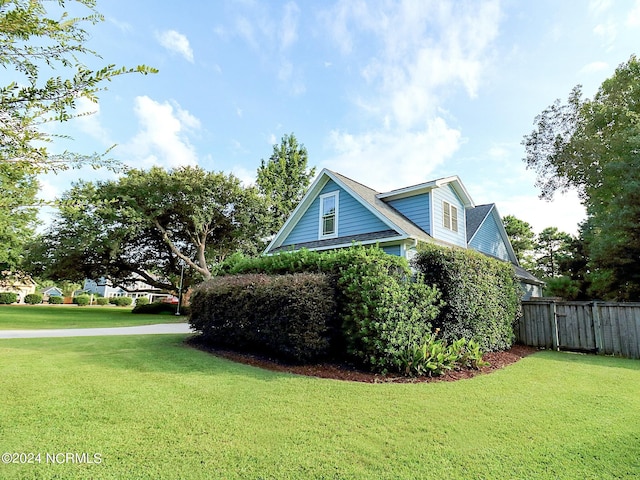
[[329, 215], [450, 216]]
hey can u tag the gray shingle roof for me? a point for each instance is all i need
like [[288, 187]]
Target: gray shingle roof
[[370, 196], [475, 217]]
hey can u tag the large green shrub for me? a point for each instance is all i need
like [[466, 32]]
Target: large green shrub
[[384, 310], [55, 300], [82, 300], [381, 309], [33, 298], [121, 301], [142, 301], [291, 317], [7, 298], [102, 301], [481, 295]]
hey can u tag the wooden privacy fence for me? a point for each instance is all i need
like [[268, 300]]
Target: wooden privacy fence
[[600, 327]]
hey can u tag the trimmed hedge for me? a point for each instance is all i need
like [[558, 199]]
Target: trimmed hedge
[[121, 301], [481, 295], [55, 300], [383, 312], [82, 300], [7, 298], [380, 308], [290, 317], [142, 301], [33, 298], [160, 308]]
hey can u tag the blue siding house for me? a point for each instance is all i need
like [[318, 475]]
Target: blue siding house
[[337, 212]]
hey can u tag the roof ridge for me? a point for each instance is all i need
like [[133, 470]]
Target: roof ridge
[[354, 181]]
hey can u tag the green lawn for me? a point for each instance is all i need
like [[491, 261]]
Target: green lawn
[[152, 407], [27, 317]]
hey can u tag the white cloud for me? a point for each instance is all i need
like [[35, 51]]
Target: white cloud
[[564, 212], [176, 42], [288, 29], [633, 17], [594, 67], [386, 160], [246, 176], [598, 7], [163, 137], [423, 50], [608, 31]]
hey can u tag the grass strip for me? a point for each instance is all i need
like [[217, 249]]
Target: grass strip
[[32, 317]]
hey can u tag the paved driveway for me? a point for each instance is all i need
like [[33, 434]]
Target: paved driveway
[[96, 332]]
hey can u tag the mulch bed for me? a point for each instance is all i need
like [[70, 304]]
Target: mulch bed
[[497, 360]]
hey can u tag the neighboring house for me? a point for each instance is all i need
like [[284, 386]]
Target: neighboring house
[[49, 292], [18, 283], [134, 289], [337, 212]]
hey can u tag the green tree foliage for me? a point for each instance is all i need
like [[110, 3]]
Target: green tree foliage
[[148, 223], [18, 191], [593, 145], [33, 44], [283, 179], [552, 249], [30, 39], [521, 236]]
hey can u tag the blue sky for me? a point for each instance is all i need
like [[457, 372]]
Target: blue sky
[[389, 93]]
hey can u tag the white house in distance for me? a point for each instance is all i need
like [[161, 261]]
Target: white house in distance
[[134, 289], [19, 283], [338, 211]]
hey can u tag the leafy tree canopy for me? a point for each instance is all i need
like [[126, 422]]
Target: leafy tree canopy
[[33, 45], [283, 179], [149, 223], [593, 145], [521, 236]]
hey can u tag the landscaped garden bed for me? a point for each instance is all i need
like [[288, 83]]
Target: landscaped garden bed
[[336, 371]]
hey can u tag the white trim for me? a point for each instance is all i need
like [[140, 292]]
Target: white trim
[[395, 240], [316, 187], [321, 234], [454, 180], [299, 211], [452, 208], [383, 218]]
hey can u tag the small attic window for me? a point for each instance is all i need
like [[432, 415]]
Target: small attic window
[[328, 215], [449, 216]]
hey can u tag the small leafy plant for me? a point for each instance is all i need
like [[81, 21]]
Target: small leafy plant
[[433, 357]]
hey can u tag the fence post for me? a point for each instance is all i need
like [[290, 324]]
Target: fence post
[[556, 337], [597, 328]]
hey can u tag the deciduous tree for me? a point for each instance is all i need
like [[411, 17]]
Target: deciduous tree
[[149, 223], [33, 44], [593, 145]]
